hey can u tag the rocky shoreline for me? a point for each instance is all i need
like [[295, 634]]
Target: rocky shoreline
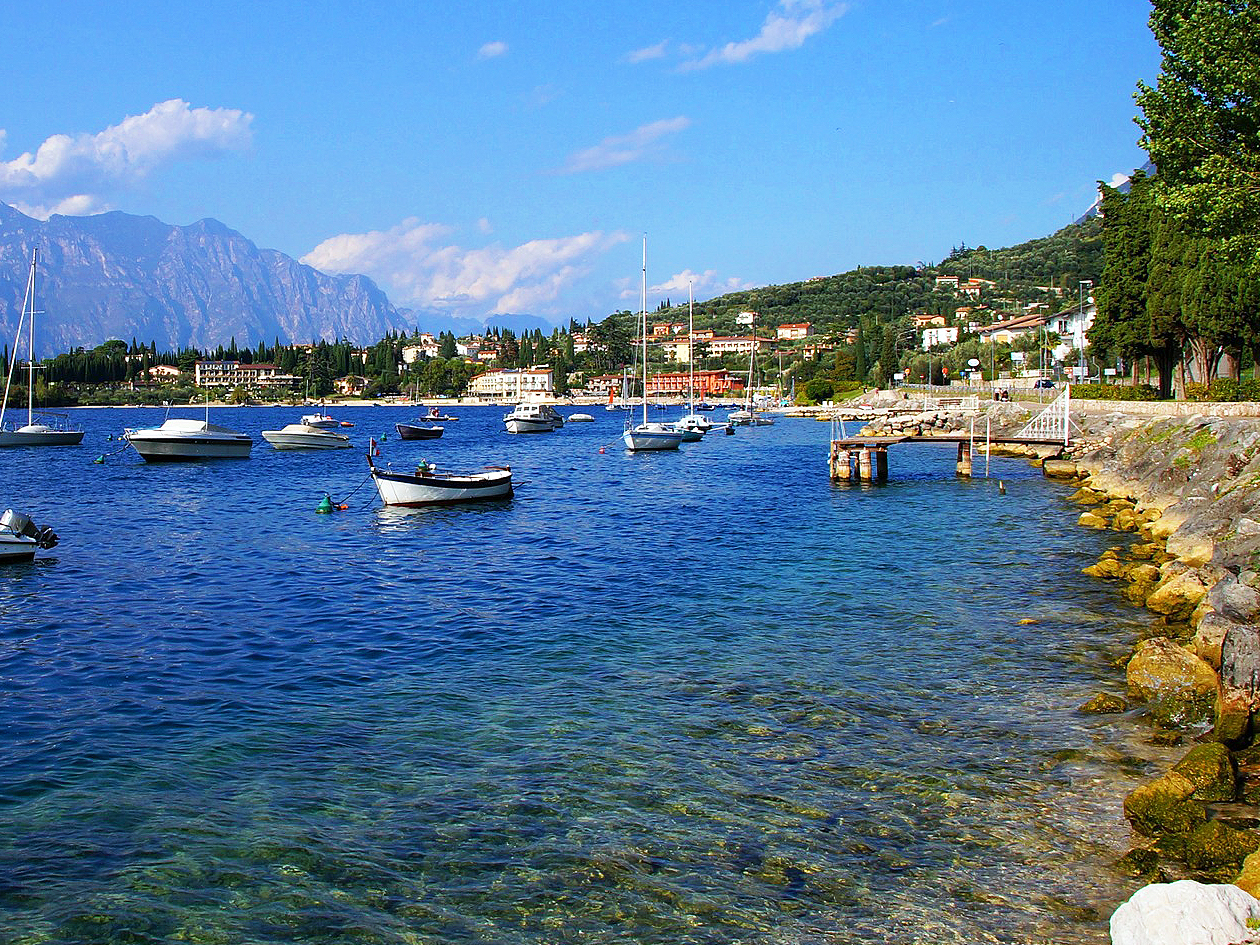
[[1184, 492]]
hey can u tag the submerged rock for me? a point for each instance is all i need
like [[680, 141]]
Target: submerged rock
[[1184, 913], [1164, 807], [1210, 769], [1103, 704]]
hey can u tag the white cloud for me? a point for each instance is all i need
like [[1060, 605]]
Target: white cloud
[[76, 173], [648, 52], [412, 263], [786, 27], [491, 50], [1118, 179], [624, 149], [705, 284]]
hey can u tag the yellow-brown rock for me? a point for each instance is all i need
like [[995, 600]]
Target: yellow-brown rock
[[1177, 597], [1091, 520], [1178, 686]]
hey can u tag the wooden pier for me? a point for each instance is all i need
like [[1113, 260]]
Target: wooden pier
[[865, 458]]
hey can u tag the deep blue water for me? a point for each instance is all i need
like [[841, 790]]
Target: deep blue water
[[696, 697]]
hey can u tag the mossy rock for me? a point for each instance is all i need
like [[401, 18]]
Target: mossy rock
[[1179, 688], [1209, 767], [1164, 807], [1086, 496], [1144, 550], [1091, 520], [1216, 846], [1126, 520], [1248, 878], [1177, 597], [1104, 704], [1142, 864]]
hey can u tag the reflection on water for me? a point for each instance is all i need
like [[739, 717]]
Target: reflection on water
[[705, 696]]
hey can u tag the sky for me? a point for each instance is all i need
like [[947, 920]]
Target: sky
[[510, 157]]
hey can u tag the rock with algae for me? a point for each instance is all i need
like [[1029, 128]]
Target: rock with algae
[[1179, 686]]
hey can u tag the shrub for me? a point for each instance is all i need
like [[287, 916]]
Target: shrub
[[1115, 392]]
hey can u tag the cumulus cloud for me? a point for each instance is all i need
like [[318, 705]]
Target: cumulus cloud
[[786, 27], [707, 283], [491, 50], [624, 149], [419, 267], [1118, 178], [648, 52], [77, 173]]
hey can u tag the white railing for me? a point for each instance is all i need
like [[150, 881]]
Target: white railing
[[1053, 423]]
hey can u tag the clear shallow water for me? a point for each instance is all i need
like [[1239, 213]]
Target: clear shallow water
[[692, 697]]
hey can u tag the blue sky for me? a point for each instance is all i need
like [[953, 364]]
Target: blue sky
[[490, 157]]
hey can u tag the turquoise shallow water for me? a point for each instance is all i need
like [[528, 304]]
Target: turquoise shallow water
[[694, 697]]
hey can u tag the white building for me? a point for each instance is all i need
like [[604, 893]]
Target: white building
[[1071, 325], [236, 374], [426, 346], [534, 383], [939, 335], [720, 344]]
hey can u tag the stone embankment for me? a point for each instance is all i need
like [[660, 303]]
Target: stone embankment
[[1187, 489]]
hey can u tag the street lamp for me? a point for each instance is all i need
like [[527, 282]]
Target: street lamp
[[1080, 325]]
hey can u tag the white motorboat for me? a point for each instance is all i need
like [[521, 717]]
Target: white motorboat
[[324, 422], [649, 435], [48, 431], [581, 418], [301, 436], [20, 537], [427, 486], [533, 418], [184, 439], [692, 426]]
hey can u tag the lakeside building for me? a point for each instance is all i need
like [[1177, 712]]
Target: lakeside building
[[163, 372], [350, 385], [727, 344], [706, 382], [1007, 331], [601, 384], [939, 335], [237, 374], [514, 383], [1071, 326], [794, 331], [924, 320], [425, 346]]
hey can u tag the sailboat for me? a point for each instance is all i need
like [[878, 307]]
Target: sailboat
[[748, 416], [654, 435], [32, 433], [693, 427]]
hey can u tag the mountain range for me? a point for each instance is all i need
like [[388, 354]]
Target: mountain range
[[117, 275]]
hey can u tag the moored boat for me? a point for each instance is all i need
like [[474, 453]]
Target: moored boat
[[20, 537], [533, 418], [324, 422], [418, 431], [581, 418], [50, 430], [648, 435], [427, 486], [181, 439], [301, 436]]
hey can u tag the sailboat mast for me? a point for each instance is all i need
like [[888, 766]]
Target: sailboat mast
[[691, 354], [30, 351], [644, 312]]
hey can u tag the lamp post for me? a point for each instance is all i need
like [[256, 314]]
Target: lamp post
[[1080, 324]]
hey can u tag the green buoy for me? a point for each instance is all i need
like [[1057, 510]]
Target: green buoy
[[325, 506]]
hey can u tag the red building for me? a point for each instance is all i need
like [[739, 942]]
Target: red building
[[707, 382]]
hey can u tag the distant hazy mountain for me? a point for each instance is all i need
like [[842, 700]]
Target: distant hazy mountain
[[115, 275]]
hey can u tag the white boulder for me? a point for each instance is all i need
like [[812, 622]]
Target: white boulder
[[1185, 913]]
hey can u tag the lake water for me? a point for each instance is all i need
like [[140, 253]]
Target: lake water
[[703, 696]]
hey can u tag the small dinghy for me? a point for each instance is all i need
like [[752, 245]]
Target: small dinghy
[[418, 431], [427, 486]]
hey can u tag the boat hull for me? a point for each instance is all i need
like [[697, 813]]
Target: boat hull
[[521, 425], [410, 431], [413, 491], [311, 440], [180, 450], [41, 437], [16, 548], [651, 437]]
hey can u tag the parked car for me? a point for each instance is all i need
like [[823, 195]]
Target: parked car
[[1043, 383]]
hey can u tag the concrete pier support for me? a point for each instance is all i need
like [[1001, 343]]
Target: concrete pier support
[[881, 464], [964, 459], [841, 464], [865, 464]]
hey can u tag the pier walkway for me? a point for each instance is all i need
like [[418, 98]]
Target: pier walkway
[[865, 458]]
